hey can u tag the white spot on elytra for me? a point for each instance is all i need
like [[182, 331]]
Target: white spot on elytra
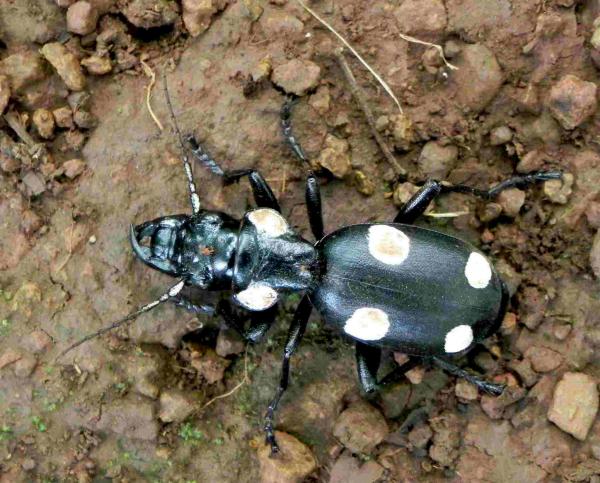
[[368, 323], [388, 244], [478, 271], [258, 296], [458, 339], [268, 221]]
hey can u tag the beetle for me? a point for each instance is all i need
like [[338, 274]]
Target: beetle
[[386, 285]]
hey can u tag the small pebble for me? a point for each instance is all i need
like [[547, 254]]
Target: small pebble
[[175, 406], [466, 391], [360, 428], [420, 435], [97, 65], [364, 185], [23, 69], [437, 159], [418, 17], [572, 101], [28, 464], [147, 14], [416, 375], [4, 93], [37, 341], [25, 366], [65, 64], [592, 213], [559, 190], [292, 465], [8, 357], [63, 116], [73, 167], [85, 119], [210, 366], [543, 359], [82, 18], [297, 76], [44, 123], [511, 201], [574, 404], [335, 156], [490, 212], [229, 342], [500, 135], [595, 255], [197, 15], [34, 183]]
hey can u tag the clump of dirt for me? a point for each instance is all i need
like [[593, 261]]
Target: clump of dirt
[[87, 148]]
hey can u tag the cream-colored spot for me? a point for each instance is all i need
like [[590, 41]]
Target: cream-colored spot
[[388, 244], [458, 339], [268, 221], [478, 271], [368, 323], [258, 296]]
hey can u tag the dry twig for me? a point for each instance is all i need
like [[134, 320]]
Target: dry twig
[[12, 119], [150, 73], [360, 97], [387, 88]]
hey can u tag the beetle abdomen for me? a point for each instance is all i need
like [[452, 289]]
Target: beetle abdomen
[[412, 289]]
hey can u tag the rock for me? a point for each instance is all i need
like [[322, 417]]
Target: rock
[[8, 357], [525, 371], [229, 342], [30, 22], [132, 418], [292, 465], [559, 190], [85, 119], [421, 17], [494, 406], [44, 123], [490, 212], [420, 436], [595, 40], [175, 406], [25, 366], [479, 77], [543, 359], [65, 64], [149, 14], [4, 93], [347, 470], [28, 464], [37, 342], [592, 213], [144, 372], [297, 76], [73, 167], [437, 160], [74, 139], [500, 135], [466, 391], [82, 18], [252, 9], [279, 23], [446, 438], [360, 428], [574, 404], [511, 201], [595, 255], [30, 222], [210, 366], [364, 185], [23, 69], [63, 116], [34, 184], [533, 305], [197, 15], [320, 101], [97, 65], [335, 156], [572, 101]]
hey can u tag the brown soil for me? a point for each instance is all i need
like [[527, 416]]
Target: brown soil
[[67, 268]]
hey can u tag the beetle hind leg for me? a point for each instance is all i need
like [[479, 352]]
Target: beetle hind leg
[[367, 364], [486, 386]]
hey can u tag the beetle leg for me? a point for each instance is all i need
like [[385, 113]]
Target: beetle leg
[[295, 334], [489, 387], [313, 190], [260, 322], [263, 194], [367, 363], [190, 306], [418, 203]]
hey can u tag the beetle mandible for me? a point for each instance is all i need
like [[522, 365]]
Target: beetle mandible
[[386, 285]]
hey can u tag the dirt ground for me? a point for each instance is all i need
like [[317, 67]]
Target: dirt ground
[[81, 158]]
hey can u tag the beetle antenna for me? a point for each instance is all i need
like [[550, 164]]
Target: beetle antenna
[[187, 167], [172, 292]]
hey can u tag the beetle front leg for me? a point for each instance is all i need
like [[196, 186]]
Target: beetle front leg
[[486, 386], [190, 306], [295, 334], [418, 203], [262, 192], [260, 322]]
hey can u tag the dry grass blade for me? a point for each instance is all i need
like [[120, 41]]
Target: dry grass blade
[[386, 87], [437, 47], [447, 215], [150, 73]]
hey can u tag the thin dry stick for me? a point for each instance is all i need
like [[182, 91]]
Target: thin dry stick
[[14, 122], [240, 384], [387, 88], [360, 97], [437, 47], [150, 73], [447, 215]]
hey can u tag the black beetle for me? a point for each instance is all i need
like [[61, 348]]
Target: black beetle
[[385, 285]]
